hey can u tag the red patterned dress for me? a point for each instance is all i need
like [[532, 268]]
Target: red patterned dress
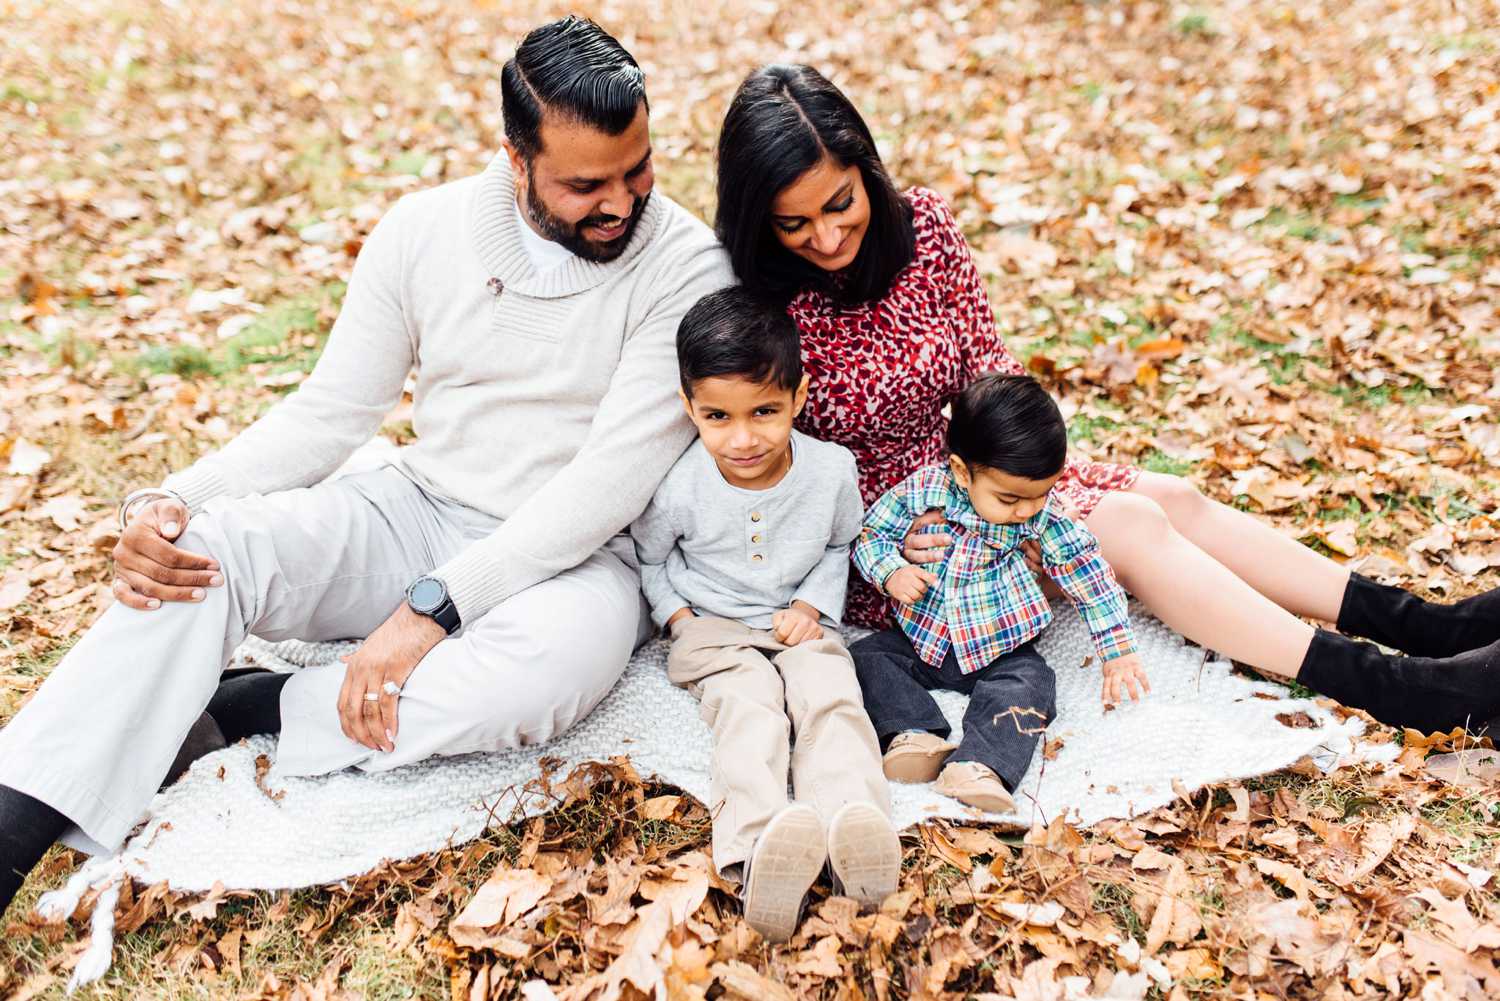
[[882, 371]]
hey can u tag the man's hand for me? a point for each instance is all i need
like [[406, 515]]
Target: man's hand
[[682, 613], [1124, 674], [925, 547], [796, 624], [149, 569], [909, 584], [391, 653]]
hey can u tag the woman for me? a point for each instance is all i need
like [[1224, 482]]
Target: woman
[[894, 320]]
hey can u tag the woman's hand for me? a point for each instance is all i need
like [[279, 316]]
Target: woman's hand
[[149, 569], [926, 547], [391, 654]]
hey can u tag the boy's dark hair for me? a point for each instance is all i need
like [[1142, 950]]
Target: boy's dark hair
[[785, 120], [574, 68], [1011, 424], [732, 333]]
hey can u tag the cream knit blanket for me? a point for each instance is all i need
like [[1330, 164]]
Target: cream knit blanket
[[1201, 724]]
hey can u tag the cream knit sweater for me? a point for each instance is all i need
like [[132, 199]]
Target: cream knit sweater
[[548, 401]]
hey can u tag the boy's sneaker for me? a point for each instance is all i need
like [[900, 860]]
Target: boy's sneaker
[[788, 856], [864, 853], [973, 784], [916, 756]]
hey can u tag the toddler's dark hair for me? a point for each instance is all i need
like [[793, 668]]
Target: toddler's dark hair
[[732, 333], [1011, 424]]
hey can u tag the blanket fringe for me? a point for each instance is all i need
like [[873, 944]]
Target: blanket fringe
[[107, 874]]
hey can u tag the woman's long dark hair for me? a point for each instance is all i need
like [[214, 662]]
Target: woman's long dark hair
[[784, 120]]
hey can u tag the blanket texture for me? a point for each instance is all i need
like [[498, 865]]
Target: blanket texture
[[222, 823]]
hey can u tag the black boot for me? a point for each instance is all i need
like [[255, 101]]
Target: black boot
[[203, 738], [1399, 619], [1429, 694], [247, 702], [27, 829]]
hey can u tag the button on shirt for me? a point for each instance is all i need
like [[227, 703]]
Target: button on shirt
[[987, 601], [740, 554]]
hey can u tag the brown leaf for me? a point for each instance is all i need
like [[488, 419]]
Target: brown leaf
[[1176, 918], [741, 981], [1471, 767], [503, 898], [659, 807]]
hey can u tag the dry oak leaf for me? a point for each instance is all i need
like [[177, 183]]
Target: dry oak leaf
[[65, 511], [740, 980], [26, 459], [822, 960], [1176, 918], [646, 949], [1471, 767], [505, 896]]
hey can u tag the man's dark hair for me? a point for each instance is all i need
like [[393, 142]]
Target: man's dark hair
[[1011, 424], [785, 120], [732, 333], [572, 68]]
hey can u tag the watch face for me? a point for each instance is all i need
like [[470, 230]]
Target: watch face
[[426, 594]]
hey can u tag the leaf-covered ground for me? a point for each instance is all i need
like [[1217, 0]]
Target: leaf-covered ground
[[1252, 243]]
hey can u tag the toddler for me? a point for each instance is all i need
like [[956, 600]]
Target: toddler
[[967, 623]]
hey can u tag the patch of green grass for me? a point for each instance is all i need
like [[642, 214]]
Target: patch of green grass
[[410, 162], [1157, 461], [1118, 901], [1474, 820], [186, 360], [1083, 428], [1299, 224], [944, 876], [1090, 91], [284, 337], [1353, 394], [1284, 366], [1472, 41], [1196, 23]]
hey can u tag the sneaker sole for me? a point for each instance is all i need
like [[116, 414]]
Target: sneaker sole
[[864, 853], [788, 858], [988, 802]]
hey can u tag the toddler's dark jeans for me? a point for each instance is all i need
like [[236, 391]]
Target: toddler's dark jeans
[[1011, 700]]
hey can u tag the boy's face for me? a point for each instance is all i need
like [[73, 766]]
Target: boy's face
[[746, 426], [1000, 498]]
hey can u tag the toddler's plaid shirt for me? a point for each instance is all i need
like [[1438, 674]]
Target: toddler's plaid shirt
[[987, 601]]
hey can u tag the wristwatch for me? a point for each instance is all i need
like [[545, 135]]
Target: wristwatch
[[429, 596]]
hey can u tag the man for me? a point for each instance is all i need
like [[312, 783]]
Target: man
[[538, 302]]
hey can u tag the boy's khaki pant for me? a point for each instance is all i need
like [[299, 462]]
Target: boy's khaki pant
[[772, 707]]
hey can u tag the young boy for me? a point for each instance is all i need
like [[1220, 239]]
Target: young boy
[[967, 622], [744, 556]]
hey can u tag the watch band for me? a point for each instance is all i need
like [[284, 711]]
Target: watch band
[[446, 615]]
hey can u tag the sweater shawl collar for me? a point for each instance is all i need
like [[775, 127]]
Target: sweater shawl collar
[[497, 238]]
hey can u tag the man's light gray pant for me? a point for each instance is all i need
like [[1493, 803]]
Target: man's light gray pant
[[326, 562]]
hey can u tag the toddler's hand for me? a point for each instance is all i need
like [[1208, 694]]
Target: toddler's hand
[[794, 625], [909, 584], [1122, 675]]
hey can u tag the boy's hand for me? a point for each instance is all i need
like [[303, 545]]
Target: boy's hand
[[1122, 675], [909, 584], [796, 624], [682, 613]]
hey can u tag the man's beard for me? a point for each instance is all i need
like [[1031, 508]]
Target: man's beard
[[570, 235]]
